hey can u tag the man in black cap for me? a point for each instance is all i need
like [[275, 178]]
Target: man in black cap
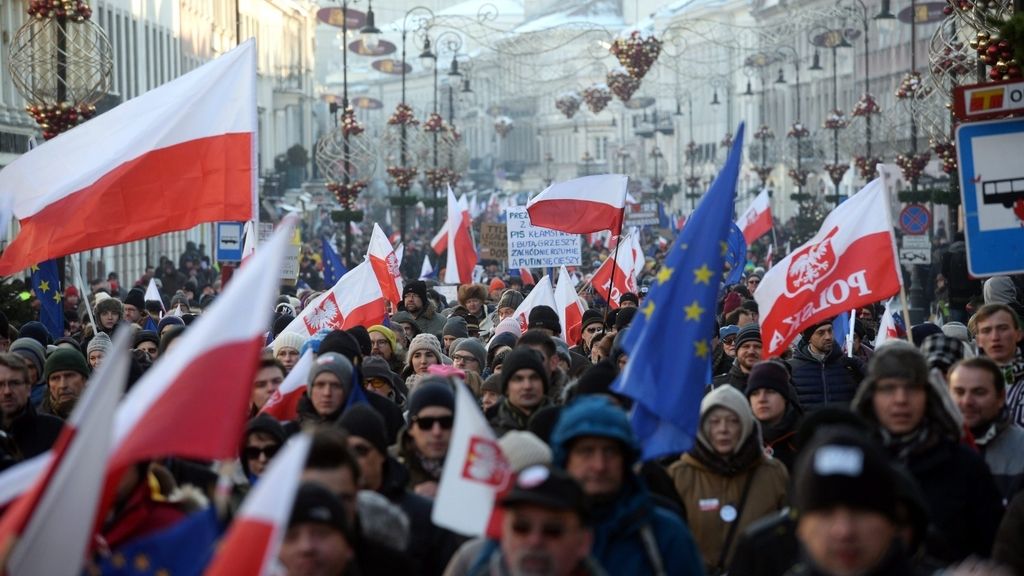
[[774, 403], [135, 306], [822, 374], [423, 444], [748, 353], [319, 539], [524, 388], [544, 319], [415, 302], [591, 328]]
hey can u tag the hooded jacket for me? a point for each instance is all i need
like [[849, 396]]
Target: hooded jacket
[[831, 380], [962, 497], [621, 523], [711, 486]]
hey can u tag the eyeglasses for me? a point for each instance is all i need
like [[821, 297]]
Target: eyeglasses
[[253, 452], [379, 343], [463, 358], [361, 450], [377, 383], [550, 530], [12, 384], [426, 423], [729, 340]]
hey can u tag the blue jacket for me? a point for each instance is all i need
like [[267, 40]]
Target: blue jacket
[[619, 525], [831, 381]]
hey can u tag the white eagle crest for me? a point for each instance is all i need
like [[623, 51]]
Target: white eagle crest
[[325, 315]]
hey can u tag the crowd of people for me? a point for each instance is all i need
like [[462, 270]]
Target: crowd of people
[[837, 459]]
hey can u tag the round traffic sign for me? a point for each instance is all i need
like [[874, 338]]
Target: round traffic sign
[[914, 219]]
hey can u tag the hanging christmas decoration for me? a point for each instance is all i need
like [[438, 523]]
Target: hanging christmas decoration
[[867, 166], [350, 125], [693, 181], [435, 124], [726, 140], [912, 165], [403, 116], [402, 177], [346, 194], [912, 87], [866, 106], [622, 84], [597, 97], [799, 177], [691, 149], [836, 171], [836, 120], [798, 130], [637, 52], [763, 133], [568, 103], [503, 125], [945, 149]]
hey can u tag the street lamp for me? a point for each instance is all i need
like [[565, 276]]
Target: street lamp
[[370, 34], [836, 119], [798, 131], [865, 106]]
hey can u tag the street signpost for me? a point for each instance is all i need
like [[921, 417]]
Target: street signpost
[[989, 100], [229, 242], [916, 250], [914, 219], [992, 193]]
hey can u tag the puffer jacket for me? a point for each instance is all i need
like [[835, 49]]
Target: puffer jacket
[[1002, 445], [828, 381], [711, 485]]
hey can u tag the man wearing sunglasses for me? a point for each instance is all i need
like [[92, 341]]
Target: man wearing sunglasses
[[592, 329], [263, 437], [423, 444]]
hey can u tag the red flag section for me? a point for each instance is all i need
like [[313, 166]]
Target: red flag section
[[624, 279], [570, 311], [356, 300], [581, 206], [757, 220], [168, 168], [850, 262], [385, 263], [461, 252], [283, 404]]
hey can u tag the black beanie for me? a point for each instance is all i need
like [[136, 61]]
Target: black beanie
[[146, 336], [136, 297], [363, 421], [261, 423], [629, 297], [362, 336], [841, 467], [433, 393], [771, 375], [597, 379], [624, 317], [417, 287], [591, 317], [543, 422], [281, 323], [748, 333], [544, 317], [523, 358], [315, 504], [806, 334], [343, 343]]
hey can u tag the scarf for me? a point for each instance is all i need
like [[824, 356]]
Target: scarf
[[903, 445], [749, 454]]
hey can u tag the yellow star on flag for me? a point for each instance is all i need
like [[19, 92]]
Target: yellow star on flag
[[700, 348], [35, 269], [44, 286], [56, 296], [702, 275], [725, 247], [648, 309], [664, 274], [693, 311]]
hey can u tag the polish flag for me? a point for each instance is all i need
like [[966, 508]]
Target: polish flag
[[570, 311], [356, 300], [887, 328], [254, 539], [385, 265], [541, 295], [248, 240], [461, 252], [625, 281], [440, 240], [62, 504], [153, 294], [850, 262], [175, 157], [581, 206], [475, 471], [283, 404], [527, 277], [639, 260], [757, 220], [769, 256], [193, 402]]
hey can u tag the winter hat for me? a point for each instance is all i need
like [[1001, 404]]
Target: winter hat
[[957, 330], [363, 421], [386, 332], [343, 343], [403, 317], [731, 302], [748, 333], [136, 297], [592, 416], [624, 317], [730, 330], [426, 342], [31, 350], [841, 467], [268, 425], [503, 339], [417, 287], [36, 331], [334, 363], [431, 393], [64, 342], [507, 326], [145, 336], [922, 331], [469, 291], [315, 504], [100, 342], [362, 337], [941, 351], [733, 400], [495, 285], [523, 449], [806, 334], [597, 379], [168, 321], [377, 367], [108, 304], [281, 323], [474, 347], [510, 299], [455, 326], [179, 299], [544, 317], [65, 359], [519, 359], [292, 340], [591, 317], [771, 375], [897, 359], [491, 384], [543, 422]]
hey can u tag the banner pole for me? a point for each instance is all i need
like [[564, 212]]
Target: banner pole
[[906, 313]]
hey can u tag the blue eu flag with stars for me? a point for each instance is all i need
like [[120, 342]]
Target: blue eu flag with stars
[[669, 341], [333, 268], [46, 285]]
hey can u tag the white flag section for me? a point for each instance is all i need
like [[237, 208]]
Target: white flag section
[[248, 239], [570, 311], [426, 271], [61, 507], [356, 300], [283, 404], [582, 205], [461, 257], [887, 324], [475, 471], [153, 294], [542, 295], [639, 261], [385, 263], [254, 539], [16, 479], [756, 221]]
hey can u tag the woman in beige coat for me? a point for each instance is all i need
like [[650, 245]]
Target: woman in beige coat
[[726, 482]]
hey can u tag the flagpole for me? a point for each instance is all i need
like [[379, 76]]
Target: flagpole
[[78, 278], [906, 312]]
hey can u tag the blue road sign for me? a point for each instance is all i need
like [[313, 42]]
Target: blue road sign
[[992, 192], [914, 219], [229, 242]]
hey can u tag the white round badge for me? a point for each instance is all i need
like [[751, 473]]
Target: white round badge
[[728, 513]]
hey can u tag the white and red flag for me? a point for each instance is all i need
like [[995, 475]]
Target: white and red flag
[[582, 205], [475, 471], [570, 311], [62, 504], [526, 276], [887, 328], [850, 262], [283, 404], [757, 220], [625, 281], [385, 265], [440, 240], [461, 252], [172, 158], [356, 300], [541, 295], [254, 539]]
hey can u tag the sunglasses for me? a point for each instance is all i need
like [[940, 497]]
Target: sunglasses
[[594, 329], [550, 530], [377, 383], [253, 452], [729, 340], [426, 423]]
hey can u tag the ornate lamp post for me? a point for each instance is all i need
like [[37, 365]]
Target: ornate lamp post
[[797, 131], [836, 120], [435, 126], [867, 107]]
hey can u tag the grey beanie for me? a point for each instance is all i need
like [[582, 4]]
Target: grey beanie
[[510, 299], [100, 342], [898, 359], [474, 347], [335, 364], [30, 349], [456, 326]]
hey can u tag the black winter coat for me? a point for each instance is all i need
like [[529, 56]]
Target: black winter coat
[[34, 433], [735, 376], [831, 381]]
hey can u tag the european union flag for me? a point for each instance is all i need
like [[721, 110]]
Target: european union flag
[[333, 268], [669, 341], [737, 256], [184, 548], [46, 285]]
